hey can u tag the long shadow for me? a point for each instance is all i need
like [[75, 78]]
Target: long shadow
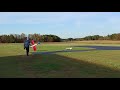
[[42, 50], [52, 66], [53, 52]]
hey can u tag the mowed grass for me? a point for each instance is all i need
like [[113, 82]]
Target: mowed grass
[[95, 64]]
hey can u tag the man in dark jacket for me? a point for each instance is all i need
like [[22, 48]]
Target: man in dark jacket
[[26, 45]]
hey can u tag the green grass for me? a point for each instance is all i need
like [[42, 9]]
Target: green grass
[[106, 58], [97, 64]]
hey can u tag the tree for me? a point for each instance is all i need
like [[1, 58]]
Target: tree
[[12, 39], [70, 39]]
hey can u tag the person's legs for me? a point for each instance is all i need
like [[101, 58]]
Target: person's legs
[[27, 51]]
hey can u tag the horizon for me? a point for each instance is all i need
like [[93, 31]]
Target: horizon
[[60, 37], [62, 24]]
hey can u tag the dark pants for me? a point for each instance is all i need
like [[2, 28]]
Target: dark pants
[[27, 51]]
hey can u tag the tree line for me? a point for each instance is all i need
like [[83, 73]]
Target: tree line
[[19, 38], [115, 36]]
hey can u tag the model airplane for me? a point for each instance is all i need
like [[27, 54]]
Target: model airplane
[[69, 48]]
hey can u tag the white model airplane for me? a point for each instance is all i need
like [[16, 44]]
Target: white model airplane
[[69, 48]]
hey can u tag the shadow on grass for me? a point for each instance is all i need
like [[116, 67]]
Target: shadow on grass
[[42, 50], [52, 66], [53, 52]]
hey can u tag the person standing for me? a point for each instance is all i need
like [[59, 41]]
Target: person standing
[[26, 45]]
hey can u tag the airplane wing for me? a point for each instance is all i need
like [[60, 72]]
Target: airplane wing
[[33, 45]]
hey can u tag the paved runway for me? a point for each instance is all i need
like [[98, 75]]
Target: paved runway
[[102, 47], [94, 48]]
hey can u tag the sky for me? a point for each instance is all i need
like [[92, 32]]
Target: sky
[[62, 24]]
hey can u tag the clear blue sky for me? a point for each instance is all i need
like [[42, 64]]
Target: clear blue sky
[[63, 24]]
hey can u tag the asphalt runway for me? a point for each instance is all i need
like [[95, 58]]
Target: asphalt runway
[[93, 48], [102, 47]]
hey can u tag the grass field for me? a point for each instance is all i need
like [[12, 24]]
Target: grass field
[[92, 64]]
